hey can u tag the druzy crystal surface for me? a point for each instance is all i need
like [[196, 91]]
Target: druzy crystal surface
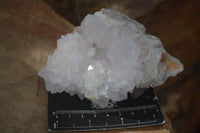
[[106, 57]]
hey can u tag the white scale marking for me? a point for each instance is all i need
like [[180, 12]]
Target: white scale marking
[[107, 115], [54, 125], [111, 125], [102, 111], [90, 123], [122, 121], [106, 124], [154, 117], [120, 113]]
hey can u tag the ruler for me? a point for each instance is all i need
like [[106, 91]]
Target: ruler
[[69, 113]]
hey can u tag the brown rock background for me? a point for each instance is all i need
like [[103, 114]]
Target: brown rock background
[[28, 33]]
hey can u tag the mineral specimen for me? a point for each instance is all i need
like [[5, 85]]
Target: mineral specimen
[[106, 57]]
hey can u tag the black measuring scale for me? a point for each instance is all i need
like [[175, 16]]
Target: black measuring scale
[[69, 113]]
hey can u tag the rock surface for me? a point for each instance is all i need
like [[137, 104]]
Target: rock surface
[[23, 97], [80, 8], [179, 96], [28, 33], [106, 57]]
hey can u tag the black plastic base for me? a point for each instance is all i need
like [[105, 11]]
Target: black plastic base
[[69, 113]]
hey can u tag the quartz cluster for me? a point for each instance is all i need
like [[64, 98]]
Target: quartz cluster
[[106, 57]]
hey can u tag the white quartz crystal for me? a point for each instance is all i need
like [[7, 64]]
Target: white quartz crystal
[[106, 57]]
